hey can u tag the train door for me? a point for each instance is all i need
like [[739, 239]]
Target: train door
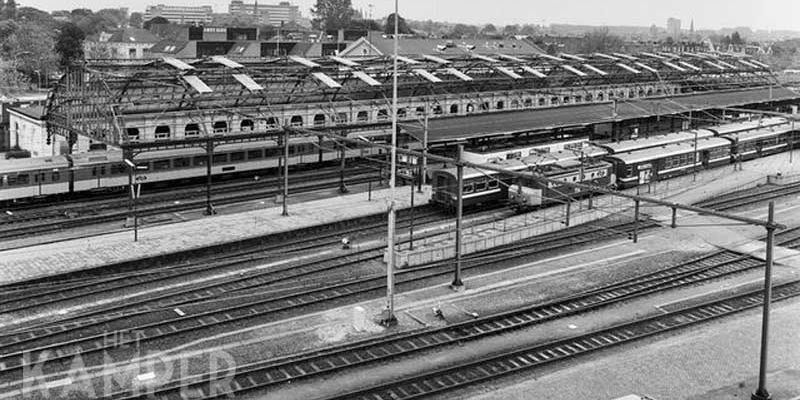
[[645, 173]]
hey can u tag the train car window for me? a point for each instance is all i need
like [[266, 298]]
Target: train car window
[[191, 130], [237, 156], [255, 154], [469, 188], [94, 171], [23, 179], [161, 165], [493, 184], [362, 116], [220, 158], [36, 178], [480, 186], [272, 123], [181, 162], [401, 113], [11, 180], [55, 176], [200, 160], [275, 152], [102, 170]]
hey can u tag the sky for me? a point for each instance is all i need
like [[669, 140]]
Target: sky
[[707, 14]]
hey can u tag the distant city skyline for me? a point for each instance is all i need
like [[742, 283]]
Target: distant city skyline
[[708, 14]]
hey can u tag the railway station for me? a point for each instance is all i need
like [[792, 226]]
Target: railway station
[[448, 224]]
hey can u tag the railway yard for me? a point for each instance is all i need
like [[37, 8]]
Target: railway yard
[[552, 237]]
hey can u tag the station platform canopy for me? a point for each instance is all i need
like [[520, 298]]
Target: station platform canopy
[[459, 129]]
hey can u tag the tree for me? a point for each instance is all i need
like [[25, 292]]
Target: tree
[[332, 14], [10, 10], [488, 30], [402, 26], [511, 30], [736, 39], [601, 40], [136, 20], [98, 50], [463, 31], [69, 45], [31, 47], [155, 21]]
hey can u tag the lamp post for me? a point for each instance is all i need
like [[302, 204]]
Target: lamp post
[[39, 77]]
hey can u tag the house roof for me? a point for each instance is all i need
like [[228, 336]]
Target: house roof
[[416, 46], [133, 35], [35, 111], [169, 46]]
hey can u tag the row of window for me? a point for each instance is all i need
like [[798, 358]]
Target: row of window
[[193, 129], [678, 160], [480, 186], [25, 179]]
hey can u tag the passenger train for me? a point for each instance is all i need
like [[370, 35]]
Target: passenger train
[[617, 165], [105, 170]]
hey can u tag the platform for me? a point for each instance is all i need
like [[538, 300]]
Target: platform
[[71, 255]]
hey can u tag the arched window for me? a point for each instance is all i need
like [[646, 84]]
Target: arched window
[[401, 113], [420, 111], [641, 92], [554, 101], [220, 127], [529, 102], [191, 130], [341, 118], [133, 133], [470, 108], [362, 116], [566, 100], [454, 109], [649, 91], [319, 120], [542, 101], [272, 123], [588, 97], [485, 106], [437, 110], [162, 132], [600, 96], [247, 125], [500, 105], [296, 121], [514, 103], [383, 114]]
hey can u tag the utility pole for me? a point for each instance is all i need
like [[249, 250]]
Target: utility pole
[[694, 157], [458, 284], [389, 318], [761, 392], [285, 171], [424, 168], [209, 160]]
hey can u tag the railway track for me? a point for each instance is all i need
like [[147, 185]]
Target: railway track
[[458, 376], [15, 228], [748, 197], [66, 342], [262, 375]]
